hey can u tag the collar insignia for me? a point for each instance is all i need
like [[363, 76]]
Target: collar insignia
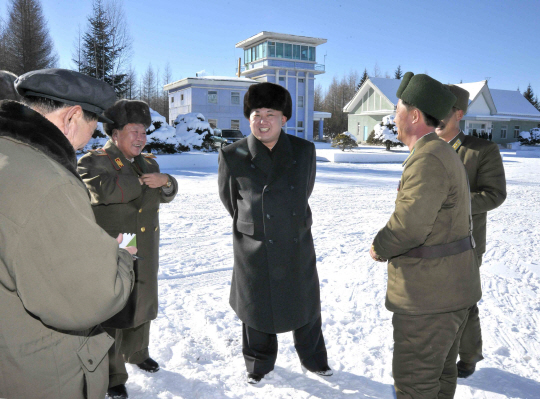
[[119, 162], [457, 144]]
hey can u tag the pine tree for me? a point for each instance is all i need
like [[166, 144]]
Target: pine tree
[[101, 51], [26, 41], [364, 77], [529, 95], [398, 74]]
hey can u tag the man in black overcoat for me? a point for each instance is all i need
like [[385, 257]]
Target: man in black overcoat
[[265, 181]]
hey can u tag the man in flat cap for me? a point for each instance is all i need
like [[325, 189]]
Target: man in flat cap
[[60, 273], [487, 183], [433, 276], [127, 188], [265, 181]]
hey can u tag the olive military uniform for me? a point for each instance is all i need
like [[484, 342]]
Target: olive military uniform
[[122, 205], [60, 273], [430, 297], [487, 182]]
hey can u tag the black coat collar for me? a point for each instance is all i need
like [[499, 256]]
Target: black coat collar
[[274, 166], [23, 124]]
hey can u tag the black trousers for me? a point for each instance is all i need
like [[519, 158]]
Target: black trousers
[[260, 349]]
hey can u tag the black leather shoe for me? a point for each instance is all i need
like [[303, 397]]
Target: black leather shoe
[[117, 392], [149, 365], [253, 378], [465, 370]]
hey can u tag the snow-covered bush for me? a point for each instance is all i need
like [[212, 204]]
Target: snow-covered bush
[[161, 137], [192, 130], [530, 138], [344, 141], [385, 133]]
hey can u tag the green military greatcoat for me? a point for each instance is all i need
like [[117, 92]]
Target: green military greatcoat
[[487, 181], [122, 205]]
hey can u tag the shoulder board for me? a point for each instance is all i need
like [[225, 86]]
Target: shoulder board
[[98, 151], [148, 155]]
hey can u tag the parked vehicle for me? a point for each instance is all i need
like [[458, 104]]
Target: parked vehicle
[[223, 137]]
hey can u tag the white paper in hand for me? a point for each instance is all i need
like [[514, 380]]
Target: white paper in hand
[[129, 240]]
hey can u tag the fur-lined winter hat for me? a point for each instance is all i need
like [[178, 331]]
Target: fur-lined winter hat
[[462, 95], [426, 94], [7, 86], [268, 95], [127, 111]]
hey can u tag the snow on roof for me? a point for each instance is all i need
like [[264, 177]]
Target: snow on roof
[[388, 87], [473, 88], [233, 78], [512, 102]]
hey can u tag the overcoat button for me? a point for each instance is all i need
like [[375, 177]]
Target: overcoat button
[[271, 241], [267, 190], [294, 213], [268, 216], [140, 210], [156, 229], [292, 187], [90, 361], [158, 210], [295, 240], [252, 166], [143, 229], [294, 162]]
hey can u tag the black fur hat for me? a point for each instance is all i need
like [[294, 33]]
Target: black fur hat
[[127, 111], [268, 95]]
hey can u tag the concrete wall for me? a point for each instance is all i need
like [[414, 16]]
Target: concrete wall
[[364, 120]]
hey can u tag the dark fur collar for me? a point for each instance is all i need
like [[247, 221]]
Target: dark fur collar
[[26, 125]]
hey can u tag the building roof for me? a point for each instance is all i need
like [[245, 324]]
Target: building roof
[[264, 35], [386, 87], [220, 80], [512, 102]]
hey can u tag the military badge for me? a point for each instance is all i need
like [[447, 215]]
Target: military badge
[[119, 162], [457, 144]]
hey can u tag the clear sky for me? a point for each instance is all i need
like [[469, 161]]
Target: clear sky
[[452, 41]]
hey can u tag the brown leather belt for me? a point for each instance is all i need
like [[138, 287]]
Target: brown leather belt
[[440, 251]]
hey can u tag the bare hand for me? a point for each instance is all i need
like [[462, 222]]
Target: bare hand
[[131, 250], [154, 180], [376, 257], [120, 238]]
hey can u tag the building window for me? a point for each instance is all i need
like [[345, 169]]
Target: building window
[[358, 129], [279, 50], [300, 101], [301, 80], [271, 49], [172, 100], [235, 98], [304, 53], [212, 123], [296, 51], [212, 97], [503, 131], [516, 132], [300, 124], [181, 97], [288, 50], [235, 124], [282, 79]]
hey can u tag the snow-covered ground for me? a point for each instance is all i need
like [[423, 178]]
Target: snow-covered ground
[[197, 337]]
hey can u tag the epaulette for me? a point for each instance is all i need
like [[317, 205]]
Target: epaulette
[[148, 155], [98, 151]]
